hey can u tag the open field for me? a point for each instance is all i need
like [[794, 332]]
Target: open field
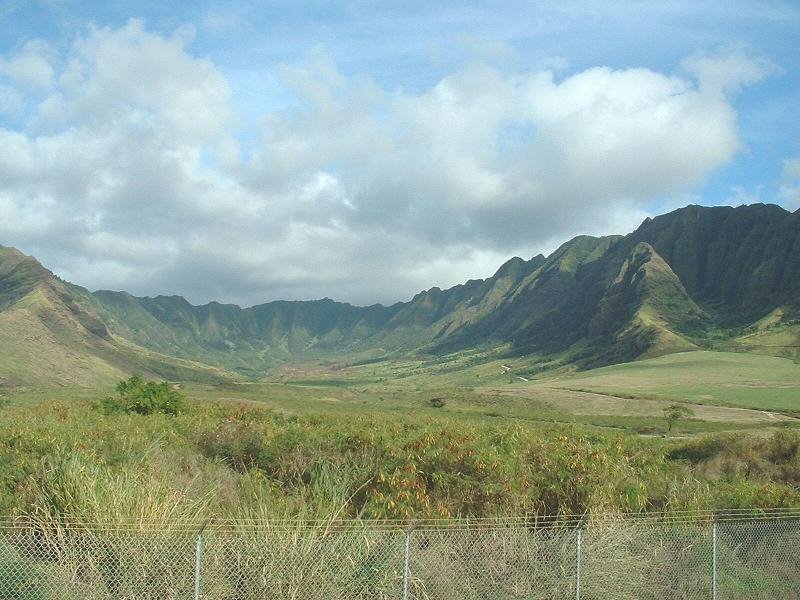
[[725, 391], [709, 378], [584, 404]]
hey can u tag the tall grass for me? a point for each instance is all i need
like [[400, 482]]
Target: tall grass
[[71, 462], [620, 559]]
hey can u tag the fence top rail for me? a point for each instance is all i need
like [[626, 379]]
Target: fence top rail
[[53, 525]]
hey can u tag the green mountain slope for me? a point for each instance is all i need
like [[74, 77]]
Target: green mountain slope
[[740, 263], [697, 277], [49, 337], [645, 311]]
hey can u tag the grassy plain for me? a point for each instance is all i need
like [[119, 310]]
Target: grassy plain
[[726, 391], [706, 378]]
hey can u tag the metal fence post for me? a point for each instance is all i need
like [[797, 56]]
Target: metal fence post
[[406, 557], [198, 549], [579, 536], [714, 560]]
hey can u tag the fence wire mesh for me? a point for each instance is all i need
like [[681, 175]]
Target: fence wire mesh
[[732, 556]]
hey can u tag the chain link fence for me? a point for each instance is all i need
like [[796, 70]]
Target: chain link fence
[[727, 557]]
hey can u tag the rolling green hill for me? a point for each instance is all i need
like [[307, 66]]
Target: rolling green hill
[[698, 277], [49, 337]]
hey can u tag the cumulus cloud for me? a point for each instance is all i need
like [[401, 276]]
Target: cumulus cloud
[[728, 71], [129, 173], [31, 66]]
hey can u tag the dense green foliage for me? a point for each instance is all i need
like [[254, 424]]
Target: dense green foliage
[[136, 395]]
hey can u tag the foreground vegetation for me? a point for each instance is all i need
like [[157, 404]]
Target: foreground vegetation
[[333, 443], [620, 559], [99, 460]]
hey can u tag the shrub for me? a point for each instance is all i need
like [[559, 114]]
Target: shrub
[[135, 395], [238, 443]]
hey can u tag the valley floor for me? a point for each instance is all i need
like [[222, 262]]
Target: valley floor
[[723, 390]]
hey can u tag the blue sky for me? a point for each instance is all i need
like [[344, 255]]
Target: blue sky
[[249, 151]]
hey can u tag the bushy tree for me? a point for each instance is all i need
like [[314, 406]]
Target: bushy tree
[[675, 412], [136, 395]]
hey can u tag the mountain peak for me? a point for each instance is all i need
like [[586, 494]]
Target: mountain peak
[[690, 213], [11, 258], [510, 267]]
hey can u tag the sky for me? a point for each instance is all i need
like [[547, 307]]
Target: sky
[[363, 151]]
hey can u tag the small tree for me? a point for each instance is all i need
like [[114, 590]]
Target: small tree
[[675, 412], [135, 395]]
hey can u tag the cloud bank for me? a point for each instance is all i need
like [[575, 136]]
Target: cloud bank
[[123, 164]]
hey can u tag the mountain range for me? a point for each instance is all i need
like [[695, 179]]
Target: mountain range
[[697, 277]]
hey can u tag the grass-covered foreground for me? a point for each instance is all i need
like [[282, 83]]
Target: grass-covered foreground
[[616, 559], [114, 495], [81, 459], [366, 446], [94, 481]]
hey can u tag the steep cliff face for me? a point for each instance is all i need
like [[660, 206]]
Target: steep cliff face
[[645, 311], [740, 263]]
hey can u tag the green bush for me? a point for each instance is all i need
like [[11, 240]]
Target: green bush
[[135, 395]]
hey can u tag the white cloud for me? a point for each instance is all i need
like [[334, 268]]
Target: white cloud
[[129, 173], [146, 80], [790, 184], [741, 195], [728, 71], [31, 66], [791, 168], [504, 159]]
